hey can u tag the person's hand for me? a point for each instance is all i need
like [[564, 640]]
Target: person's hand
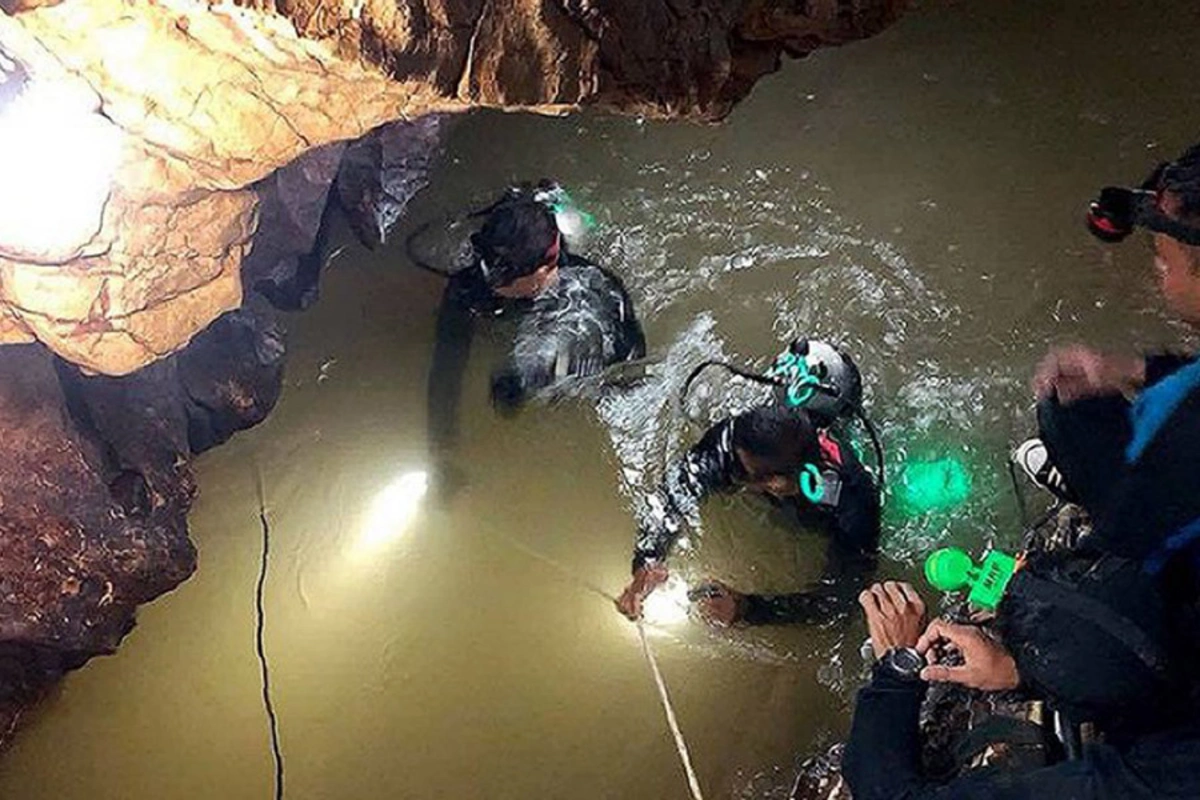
[[719, 605], [895, 615], [645, 580], [1077, 372], [985, 663]]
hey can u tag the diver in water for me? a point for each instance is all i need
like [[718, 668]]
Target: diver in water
[[790, 452], [574, 318]]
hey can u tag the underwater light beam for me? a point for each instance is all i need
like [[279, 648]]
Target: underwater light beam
[[394, 508]]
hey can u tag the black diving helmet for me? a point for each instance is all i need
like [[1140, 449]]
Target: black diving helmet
[[1118, 210]]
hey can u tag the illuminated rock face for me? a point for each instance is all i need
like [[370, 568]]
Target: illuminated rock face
[[171, 189], [198, 103]]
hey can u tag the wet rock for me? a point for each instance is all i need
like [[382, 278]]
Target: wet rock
[[227, 379], [384, 170], [232, 374], [95, 486], [74, 565], [285, 259]]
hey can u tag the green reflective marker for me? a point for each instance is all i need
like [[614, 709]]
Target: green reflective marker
[[935, 485], [951, 570]]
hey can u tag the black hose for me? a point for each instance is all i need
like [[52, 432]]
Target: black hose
[[272, 719], [410, 241], [875, 444], [741, 373]]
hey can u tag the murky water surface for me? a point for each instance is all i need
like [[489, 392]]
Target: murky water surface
[[917, 197]]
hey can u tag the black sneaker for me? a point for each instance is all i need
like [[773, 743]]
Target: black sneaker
[[1032, 457]]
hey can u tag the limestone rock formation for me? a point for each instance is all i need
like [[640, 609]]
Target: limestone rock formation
[[173, 111], [95, 486]]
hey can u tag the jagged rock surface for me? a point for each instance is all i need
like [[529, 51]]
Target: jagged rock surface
[[203, 102]]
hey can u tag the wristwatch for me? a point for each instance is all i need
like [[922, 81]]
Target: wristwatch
[[904, 663]]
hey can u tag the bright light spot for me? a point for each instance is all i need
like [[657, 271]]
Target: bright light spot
[[57, 157], [668, 604], [936, 485], [394, 509]]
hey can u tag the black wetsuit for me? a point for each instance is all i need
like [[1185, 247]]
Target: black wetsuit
[[575, 328], [849, 512]]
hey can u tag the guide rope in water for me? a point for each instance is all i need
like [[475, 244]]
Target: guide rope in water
[[672, 721], [260, 625]]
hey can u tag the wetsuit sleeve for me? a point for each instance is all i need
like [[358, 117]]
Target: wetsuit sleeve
[[1160, 365], [849, 559], [452, 347], [883, 755], [706, 468]]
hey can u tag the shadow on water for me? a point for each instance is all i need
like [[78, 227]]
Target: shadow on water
[[916, 197]]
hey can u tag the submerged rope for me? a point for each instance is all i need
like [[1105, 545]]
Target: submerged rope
[[672, 722], [668, 709], [260, 625]]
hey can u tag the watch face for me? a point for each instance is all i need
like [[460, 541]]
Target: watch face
[[906, 661]]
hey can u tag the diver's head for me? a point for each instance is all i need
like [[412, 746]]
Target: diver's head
[[1168, 204], [772, 445], [518, 247]]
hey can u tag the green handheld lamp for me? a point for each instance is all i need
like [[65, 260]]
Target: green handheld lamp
[[951, 570]]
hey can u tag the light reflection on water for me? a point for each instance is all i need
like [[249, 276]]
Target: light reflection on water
[[915, 198], [392, 511]]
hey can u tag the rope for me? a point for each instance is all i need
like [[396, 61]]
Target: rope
[[260, 625], [668, 709], [672, 722]]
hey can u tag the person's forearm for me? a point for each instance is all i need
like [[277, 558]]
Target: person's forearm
[[883, 756], [800, 608], [452, 347], [703, 470]]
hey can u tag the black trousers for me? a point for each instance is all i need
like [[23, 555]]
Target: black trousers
[[1086, 441]]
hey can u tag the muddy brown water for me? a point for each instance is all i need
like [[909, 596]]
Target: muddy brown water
[[917, 197]]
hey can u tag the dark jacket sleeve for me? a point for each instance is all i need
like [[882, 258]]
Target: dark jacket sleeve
[[883, 760], [883, 755], [854, 529], [707, 467]]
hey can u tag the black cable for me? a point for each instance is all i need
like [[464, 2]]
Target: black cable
[[410, 241], [876, 444], [262, 655]]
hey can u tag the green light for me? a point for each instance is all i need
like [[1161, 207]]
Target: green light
[[935, 485]]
